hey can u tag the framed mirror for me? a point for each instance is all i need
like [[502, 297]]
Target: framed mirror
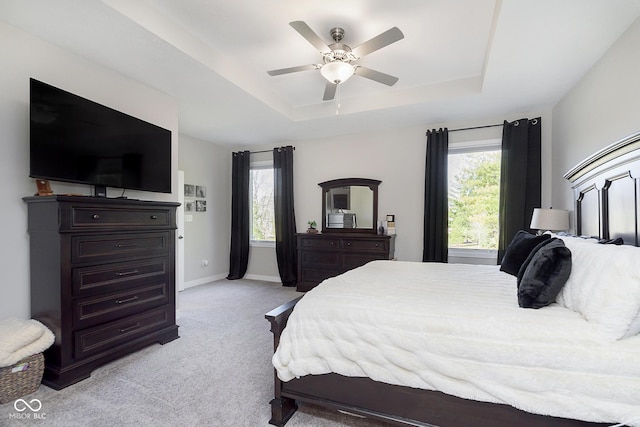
[[350, 205]]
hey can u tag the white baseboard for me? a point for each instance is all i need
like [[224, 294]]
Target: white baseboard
[[263, 278], [202, 281]]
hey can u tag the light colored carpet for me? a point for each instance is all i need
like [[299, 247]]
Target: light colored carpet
[[218, 373]]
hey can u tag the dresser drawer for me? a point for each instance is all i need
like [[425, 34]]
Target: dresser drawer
[[86, 217], [314, 275], [351, 261], [364, 245], [320, 259], [91, 311], [119, 275], [104, 247], [311, 243], [110, 335]]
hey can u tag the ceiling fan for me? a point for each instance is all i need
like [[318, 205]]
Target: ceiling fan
[[337, 57]]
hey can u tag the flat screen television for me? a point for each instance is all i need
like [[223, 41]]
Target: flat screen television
[[341, 201], [80, 141]]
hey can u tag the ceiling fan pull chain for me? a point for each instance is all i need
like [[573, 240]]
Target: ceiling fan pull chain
[[338, 107]]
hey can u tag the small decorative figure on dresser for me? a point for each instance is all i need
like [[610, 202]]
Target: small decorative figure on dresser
[[312, 227], [391, 225], [380, 228]]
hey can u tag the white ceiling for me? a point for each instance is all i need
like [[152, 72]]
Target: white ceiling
[[459, 60]]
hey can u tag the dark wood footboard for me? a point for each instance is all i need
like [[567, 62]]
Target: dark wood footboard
[[391, 403], [282, 408]]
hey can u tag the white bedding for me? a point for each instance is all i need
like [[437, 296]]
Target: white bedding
[[458, 329]]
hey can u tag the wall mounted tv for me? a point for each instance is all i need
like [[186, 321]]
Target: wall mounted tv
[[77, 140]]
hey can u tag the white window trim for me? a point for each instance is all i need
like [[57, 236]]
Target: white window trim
[[474, 147], [261, 164], [262, 244], [473, 253]]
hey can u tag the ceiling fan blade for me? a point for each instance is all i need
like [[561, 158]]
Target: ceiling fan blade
[[306, 32], [292, 69], [392, 35], [329, 91], [377, 76]]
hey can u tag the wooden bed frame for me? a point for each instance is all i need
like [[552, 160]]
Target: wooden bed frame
[[607, 199]]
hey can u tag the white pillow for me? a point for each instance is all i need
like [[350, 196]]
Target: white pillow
[[604, 286]]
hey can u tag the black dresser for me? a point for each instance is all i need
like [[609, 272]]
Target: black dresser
[[321, 256], [102, 279]]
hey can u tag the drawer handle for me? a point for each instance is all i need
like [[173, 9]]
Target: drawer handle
[[348, 243], [128, 245], [377, 245], [126, 273], [126, 300], [130, 328], [154, 216], [95, 216], [331, 243]]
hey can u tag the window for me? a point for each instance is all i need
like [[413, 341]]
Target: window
[[262, 210], [474, 196]]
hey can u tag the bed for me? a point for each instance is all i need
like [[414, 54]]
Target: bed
[[437, 344]]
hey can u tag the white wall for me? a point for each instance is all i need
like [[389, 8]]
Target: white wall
[[208, 235], [601, 109], [24, 56], [397, 158]]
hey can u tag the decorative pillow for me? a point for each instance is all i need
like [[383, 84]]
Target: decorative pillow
[[543, 274], [616, 241], [604, 287], [518, 251], [527, 261]]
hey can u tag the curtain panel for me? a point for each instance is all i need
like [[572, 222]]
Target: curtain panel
[[285, 218], [239, 255], [436, 209], [520, 178]]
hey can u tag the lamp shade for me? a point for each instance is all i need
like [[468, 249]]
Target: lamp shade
[[550, 219], [337, 72]]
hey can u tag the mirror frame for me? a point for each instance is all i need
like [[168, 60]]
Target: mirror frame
[[347, 182]]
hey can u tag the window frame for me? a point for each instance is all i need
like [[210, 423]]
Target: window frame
[[261, 164], [474, 146]]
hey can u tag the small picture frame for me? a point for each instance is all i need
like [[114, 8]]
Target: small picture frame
[[189, 206], [189, 190], [44, 188], [201, 191], [201, 205]]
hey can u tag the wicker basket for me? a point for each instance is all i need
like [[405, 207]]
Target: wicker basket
[[22, 378]]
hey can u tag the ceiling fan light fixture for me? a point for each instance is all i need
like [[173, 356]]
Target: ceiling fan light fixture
[[337, 72]]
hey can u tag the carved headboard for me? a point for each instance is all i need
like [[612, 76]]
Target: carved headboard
[[606, 188]]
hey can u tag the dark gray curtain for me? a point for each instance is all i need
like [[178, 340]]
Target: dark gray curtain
[[239, 256], [520, 178], [285, 217], [436, 210]]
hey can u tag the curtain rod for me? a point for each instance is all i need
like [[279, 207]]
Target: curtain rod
[[263, 151], [476, 127]]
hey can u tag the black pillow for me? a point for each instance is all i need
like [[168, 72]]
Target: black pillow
[[544, 275], [617, 241], [527, 261], [519, 249]]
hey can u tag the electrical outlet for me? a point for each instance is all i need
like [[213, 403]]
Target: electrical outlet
[[204, 263]]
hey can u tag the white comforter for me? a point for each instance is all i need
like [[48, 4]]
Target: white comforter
[[458, 329]]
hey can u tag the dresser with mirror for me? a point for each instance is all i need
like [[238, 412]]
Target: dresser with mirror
[[349, 236]]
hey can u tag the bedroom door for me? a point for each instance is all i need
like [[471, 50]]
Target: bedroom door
[[180, 234]]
